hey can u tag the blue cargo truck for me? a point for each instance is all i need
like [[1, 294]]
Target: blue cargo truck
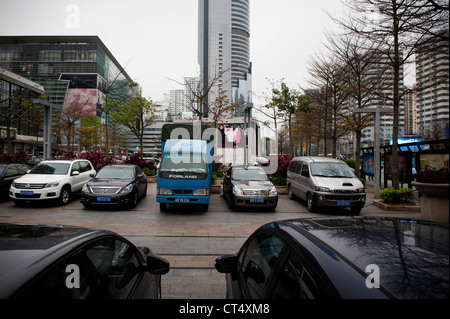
[[185, 171]]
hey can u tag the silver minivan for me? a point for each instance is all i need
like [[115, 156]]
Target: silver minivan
[[325, 182]]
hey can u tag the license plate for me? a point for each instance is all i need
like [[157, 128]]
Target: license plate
[[343, 203], [181, 200], [103, 199], [256, 200], [26, 193]]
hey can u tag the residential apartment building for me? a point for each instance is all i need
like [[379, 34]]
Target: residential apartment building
[[432, 77], [411, 110], [224, 50]]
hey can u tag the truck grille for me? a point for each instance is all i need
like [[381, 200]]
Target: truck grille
[[182, 191]]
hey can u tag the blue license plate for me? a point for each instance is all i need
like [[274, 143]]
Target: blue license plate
[[26, 193], [181, 200], [103, 199], [256, 200], [343, 203]]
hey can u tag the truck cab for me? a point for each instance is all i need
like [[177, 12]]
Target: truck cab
[[184, 175]]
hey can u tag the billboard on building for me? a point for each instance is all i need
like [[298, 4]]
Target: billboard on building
[[231, 136], [81, 102]]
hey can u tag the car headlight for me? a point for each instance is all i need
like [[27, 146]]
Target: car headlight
[[86, 189], [322, 189], [237, 191], [273, 191], [360, 190], [201, 192], [127, 189], [164, 191], [52, 184], [13, 184]]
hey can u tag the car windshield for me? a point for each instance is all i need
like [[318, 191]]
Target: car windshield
[[180, 163], [249, 175], [116, 173], [51, 169], [331, 170]]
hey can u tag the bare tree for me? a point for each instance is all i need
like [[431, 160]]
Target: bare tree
[[397, 27], [364, 82], [200, 104], [327, 74]]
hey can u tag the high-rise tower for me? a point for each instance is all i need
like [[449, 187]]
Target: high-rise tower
[[224, 49]]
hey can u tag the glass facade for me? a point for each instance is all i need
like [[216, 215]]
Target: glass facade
[[18, 114], [44, 59]]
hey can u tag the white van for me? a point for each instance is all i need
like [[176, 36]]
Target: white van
[[325, 182]]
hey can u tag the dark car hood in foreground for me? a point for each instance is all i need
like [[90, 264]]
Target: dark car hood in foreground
[[412, 256]]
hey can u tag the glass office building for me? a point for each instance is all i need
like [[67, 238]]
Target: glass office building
[[69, 67], [44, 59], [224, 49]]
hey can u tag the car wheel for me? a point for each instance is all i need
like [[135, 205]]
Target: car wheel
[[230, 202], [145, 192], [86, 205], [224, 195], [134, 200], [355, 211], [64, 197], [290, 194], [310, 203], [204, 207], [162, 207]]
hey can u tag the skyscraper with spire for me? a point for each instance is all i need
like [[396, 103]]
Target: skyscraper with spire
[[224, 50]]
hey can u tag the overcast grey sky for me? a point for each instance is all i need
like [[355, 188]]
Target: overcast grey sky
[[156, 40]]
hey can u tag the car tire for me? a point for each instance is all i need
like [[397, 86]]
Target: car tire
[[355, 210], [134, 200], [290, 194], [145, 192], [230, 203], [162, 207], [204, 207], [65, 195], [86, 205], [310, 203]]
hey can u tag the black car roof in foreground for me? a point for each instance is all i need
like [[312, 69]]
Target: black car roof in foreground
[[412, 255], [26, 249]]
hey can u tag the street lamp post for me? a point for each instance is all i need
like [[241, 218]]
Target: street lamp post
[[247, 123], [377, 161], [47, 144]]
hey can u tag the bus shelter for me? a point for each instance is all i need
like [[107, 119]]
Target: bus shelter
[[413, 157]]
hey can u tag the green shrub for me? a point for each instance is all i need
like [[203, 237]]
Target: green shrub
[[390, 195], [219, 172], [350, 162], [279, 181], [149, 172]]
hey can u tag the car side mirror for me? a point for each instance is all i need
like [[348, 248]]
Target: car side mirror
[[75, 173], [227, 264], [92, 175], [157, 265]]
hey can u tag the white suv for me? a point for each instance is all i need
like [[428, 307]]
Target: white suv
[[52, 179]]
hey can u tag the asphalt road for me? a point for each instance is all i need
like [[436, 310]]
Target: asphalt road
[[190, 239]]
